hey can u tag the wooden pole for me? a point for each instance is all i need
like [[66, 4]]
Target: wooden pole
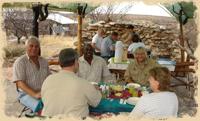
[[181, 35], [182, 42], [79, 35]]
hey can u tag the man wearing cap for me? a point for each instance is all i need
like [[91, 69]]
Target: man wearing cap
[[138, 69]]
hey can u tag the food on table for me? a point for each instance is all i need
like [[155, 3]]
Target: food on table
[[134, 85], [118, 94], [94, 83], [133, 92], [117, 87], [132, 100]]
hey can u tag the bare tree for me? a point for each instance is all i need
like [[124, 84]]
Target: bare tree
[[110, 12], [17, 22]]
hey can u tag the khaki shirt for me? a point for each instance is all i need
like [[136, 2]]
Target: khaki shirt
[[96, 72], [139, 73], [25, 70], [66, 94]]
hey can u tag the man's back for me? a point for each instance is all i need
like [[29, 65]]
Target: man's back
[[66, 94], [105, 46]]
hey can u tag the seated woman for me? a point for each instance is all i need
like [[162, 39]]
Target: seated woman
[[138, 69], [162, 103]]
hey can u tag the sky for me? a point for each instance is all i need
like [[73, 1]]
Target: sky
[[138, 8]]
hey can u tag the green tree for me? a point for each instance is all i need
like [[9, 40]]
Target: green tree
[[182, 11]]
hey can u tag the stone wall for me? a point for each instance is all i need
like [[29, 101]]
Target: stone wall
[[158, 38]]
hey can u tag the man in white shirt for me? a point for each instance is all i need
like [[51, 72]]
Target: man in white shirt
[[96, 41], [66, 94], [93, 68]]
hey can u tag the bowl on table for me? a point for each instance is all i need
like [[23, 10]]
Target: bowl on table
[[132, 100], [135, 85], [94, 83]]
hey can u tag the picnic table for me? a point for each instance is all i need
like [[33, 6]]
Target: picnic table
[[120, 68], [114, 103], [174, 67]]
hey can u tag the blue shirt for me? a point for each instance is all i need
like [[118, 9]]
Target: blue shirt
[[106, 46]]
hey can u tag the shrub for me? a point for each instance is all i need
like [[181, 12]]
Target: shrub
[[13, 50]]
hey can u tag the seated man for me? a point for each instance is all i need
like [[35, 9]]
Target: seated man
[[108, 46], [66, 94], [162, 103], [93, 68], [138, 69], [29, 72], [97, 40]]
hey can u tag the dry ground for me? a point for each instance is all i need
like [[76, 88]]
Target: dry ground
[[51, 45]]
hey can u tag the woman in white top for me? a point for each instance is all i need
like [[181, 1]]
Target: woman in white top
[[161, 103]]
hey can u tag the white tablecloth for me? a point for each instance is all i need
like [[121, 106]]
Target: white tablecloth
[[123, 66]]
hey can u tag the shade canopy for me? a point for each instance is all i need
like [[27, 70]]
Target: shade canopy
[[61, 19]]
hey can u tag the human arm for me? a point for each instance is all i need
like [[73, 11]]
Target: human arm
[[139, 109], [93, 95], [95, 47], [94, 41], [127, 75], [20, 84], [105, 72], [19, 77]]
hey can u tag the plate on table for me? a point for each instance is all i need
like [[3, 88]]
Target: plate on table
[[94, 83], [135, 85], [132, 100]]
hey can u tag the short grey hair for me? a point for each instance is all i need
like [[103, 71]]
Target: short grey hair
[[32, 39], [140, 49]]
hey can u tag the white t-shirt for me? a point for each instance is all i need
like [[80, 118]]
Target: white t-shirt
[[134, 46], [97, 40], [156, 105], [119, 51]]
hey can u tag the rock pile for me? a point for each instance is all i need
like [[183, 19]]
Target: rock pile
[[158, 38]]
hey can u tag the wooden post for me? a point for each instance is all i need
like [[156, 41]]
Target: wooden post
[[79, 35], [182, 43], [181, 34]]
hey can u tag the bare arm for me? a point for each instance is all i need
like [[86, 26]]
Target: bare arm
[[94, 46], [20, 84], [127, 75], [93, 95]]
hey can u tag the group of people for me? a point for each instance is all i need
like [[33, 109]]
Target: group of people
[[70, 93], [106, 47]]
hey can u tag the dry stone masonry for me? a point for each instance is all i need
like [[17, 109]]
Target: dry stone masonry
[[156, 37]]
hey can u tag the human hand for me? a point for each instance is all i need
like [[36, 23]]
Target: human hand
[[37, 95], [97, 87]]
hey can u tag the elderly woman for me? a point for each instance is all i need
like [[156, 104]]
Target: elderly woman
[[161, 103], [138, 69]]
